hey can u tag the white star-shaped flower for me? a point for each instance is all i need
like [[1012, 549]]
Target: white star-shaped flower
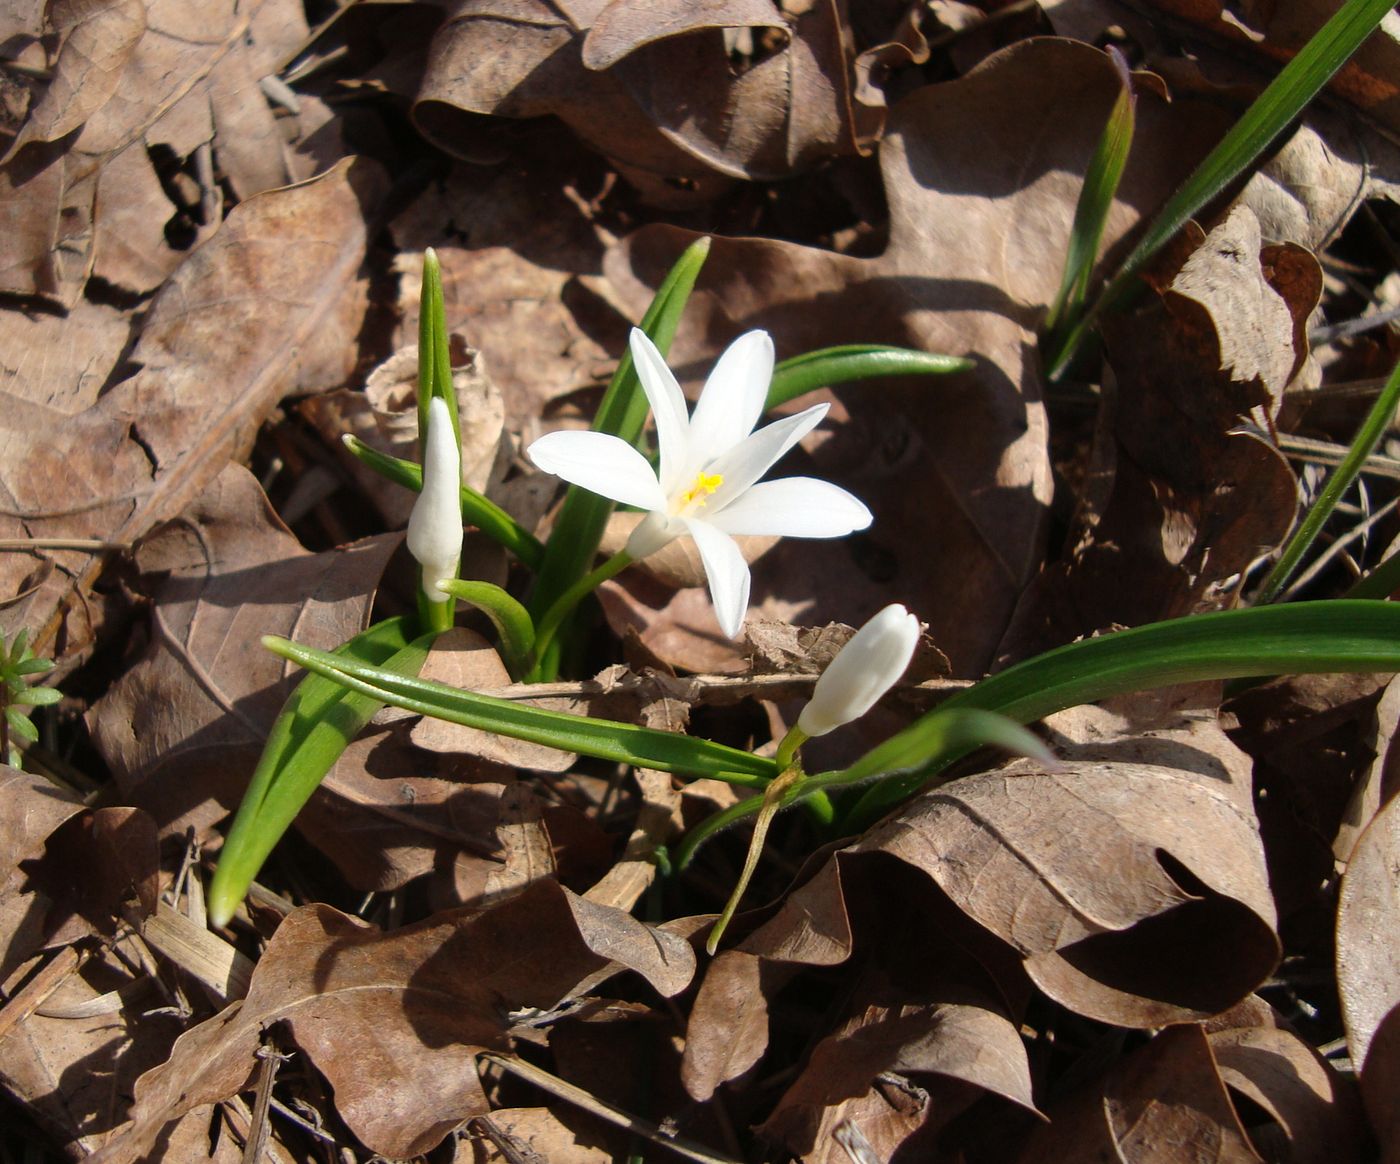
[[708, 486]]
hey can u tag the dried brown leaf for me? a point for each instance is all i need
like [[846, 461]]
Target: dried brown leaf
[[214, 353], [394, 1021], [1318, 1110], [1131, 878], [31, 809], [1368, 969], [183, 728], [1163, 1104], [743, 89]]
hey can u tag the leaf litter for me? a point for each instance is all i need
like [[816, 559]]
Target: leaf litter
[[1171, 943]]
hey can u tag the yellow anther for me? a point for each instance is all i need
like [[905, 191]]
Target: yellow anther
[[705, 484]]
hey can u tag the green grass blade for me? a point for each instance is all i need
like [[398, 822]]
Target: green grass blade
[[1297, 83], [317, 722], [511, 619], [821, 369], [477, 509], [434, 358], [1095, 201], [605, 739], [1368, 436], [622, 413], [964, 729], [1306, 638]]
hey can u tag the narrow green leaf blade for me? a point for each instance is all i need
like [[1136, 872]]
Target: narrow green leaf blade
[[839, 365], [605, 739], [1368, 436], [317, 722], [1297, 83], [1306, 638]]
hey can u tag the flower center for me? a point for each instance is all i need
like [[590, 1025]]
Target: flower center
[[705, 484]]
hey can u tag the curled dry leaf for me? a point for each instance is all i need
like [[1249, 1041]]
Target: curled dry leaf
[[128, 77], [214, 356], [31, 809], [385, 417], [1131, 878], [395, 1021], [981, 175], [744, 88], [1368, 969], [1154, 1103], [1184, 437], [74, 1060]]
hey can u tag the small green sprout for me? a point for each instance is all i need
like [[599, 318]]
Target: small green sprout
[[17, 665]]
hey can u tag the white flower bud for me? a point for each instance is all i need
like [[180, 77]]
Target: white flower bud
[[863, 670], [435, 526]]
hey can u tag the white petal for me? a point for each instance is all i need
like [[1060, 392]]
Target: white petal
[[747, 461], [727, 573], [733, 398], [794, 507], [435, 525], [601, 464], [667, 406], [863, 670]]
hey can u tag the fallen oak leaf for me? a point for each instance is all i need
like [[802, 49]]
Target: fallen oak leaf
[[396, 1020]]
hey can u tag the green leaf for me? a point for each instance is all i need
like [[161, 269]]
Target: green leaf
[[434, 358], [21, 726], [622, 413], [605, 739], [1095, 201], [1306, 638], [1297, 83], [828, 366], [477, 509], [38, 696], [511, 619], [316, 724], [940, 732], [1368, 436]]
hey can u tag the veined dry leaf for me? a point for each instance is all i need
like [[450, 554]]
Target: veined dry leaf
[[1163, 1104], [31, 809], [1368, 969], [514, 248], [981, 175], [746, 88], [1318, 1110], [394, 1021], [1131, 878], [73, 1063], [1163, 527], [235, 573], [95, 43], [215, 352]]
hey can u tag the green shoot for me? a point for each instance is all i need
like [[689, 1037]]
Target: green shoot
[[1095, 201], [1368, 436], [821, 369], [1297, 83], [17, 666]]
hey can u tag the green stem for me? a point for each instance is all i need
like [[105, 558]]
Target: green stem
[[1367, 438], [563, 605], [787, 747]]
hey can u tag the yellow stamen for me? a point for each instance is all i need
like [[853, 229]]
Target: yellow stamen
[[705, 484]]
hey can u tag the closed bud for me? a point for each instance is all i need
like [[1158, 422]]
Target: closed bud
[[863, 670], [435, 526]]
